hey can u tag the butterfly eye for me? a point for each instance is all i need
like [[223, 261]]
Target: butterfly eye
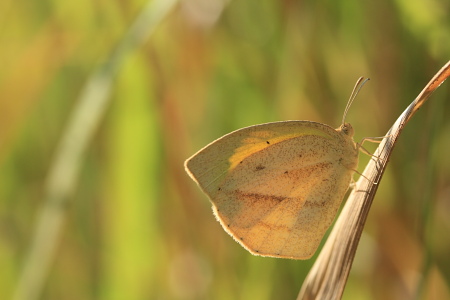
[[347, 129]]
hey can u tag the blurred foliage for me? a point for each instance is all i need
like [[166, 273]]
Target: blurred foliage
[[137, 227]]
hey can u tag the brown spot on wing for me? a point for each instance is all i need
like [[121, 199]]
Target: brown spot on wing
[[255, 197], [314, 203], [260, 167]]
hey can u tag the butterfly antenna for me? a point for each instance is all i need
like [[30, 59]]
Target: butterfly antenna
[[359, 84]]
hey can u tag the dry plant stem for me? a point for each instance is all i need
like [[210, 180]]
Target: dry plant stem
[[64, 172], [328, 276]]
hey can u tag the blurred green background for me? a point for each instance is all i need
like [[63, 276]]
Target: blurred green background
[[136, 226]]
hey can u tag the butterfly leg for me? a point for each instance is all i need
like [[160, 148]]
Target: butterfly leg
[[353, 183], [371, 181], [362, 191], [365, 151], [376, 139], [372, 139]]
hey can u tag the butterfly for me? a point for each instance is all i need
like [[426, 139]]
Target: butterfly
[[277, 187]]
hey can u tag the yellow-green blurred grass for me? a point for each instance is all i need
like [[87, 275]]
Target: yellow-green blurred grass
[[137, 227]]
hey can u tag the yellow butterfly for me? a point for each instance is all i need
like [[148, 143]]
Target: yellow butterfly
[[276, 187]]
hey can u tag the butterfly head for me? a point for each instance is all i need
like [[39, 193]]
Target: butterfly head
[[347, 129]]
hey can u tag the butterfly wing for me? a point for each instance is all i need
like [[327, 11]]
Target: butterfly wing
[[276, 187]]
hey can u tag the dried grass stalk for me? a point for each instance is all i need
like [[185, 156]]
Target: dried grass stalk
[[328, 276]]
